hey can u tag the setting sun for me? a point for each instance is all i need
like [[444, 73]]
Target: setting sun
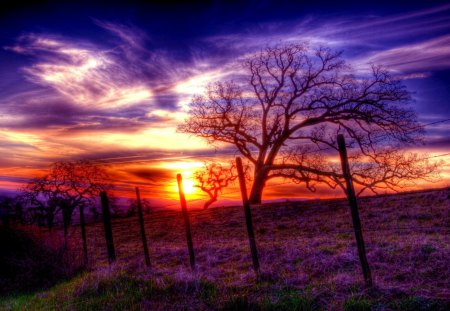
[[189, 186]]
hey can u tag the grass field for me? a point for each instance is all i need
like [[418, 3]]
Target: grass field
[[306, 249]]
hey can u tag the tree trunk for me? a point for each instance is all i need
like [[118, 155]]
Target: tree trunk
[[50, 221], [83, 235], [258, 187], [209, 202]]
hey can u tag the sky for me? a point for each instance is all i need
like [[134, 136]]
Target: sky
[[110, 81]]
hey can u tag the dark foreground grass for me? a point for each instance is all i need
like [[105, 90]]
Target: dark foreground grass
[[307, 253], [118, 290]]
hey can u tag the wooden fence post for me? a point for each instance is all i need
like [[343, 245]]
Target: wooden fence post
[[354, 210], [66, 217], [248, 216], [83, 234], [141, 223], [108, 227], [186, 221]]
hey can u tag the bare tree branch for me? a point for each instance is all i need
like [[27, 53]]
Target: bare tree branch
[[68, 186], [298, 96], [214, 177]]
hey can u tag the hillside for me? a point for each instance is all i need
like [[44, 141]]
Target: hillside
[[306, 249]]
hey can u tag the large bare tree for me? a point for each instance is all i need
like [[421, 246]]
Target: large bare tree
[[290, 108]]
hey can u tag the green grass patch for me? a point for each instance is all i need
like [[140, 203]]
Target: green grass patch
[[358, 304], [240, 302], [419, 304], [116, 292], [292, 299]]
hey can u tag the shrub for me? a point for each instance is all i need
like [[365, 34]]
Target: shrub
[[28, 263]]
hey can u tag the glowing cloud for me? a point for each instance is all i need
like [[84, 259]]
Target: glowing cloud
[[118, 98], [86, 75]]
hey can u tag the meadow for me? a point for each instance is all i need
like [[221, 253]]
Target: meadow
[[307, 253]]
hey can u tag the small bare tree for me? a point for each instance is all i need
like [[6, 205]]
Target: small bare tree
[[291, 107], [213, 178]]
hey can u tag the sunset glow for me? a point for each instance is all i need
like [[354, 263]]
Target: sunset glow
[[113, 88], [224, 155], [188, 186]]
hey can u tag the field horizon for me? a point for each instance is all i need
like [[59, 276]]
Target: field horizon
[[307, 252]]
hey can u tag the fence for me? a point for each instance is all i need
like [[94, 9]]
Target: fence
[[357, 228], [228, 248]]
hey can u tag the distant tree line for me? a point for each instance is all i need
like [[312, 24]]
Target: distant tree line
[[68, 188]]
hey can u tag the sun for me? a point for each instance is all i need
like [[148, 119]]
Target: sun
[[189, 186]]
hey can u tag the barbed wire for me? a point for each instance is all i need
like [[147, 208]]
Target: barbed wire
[[143, 186], [236, 151], [98, 160], [140, 185], [375, 137]]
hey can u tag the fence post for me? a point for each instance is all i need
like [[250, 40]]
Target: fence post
[[108, 228], [354, 210], [248, 216], [186, 221], [83, 234], [66, 216], [141, 223]]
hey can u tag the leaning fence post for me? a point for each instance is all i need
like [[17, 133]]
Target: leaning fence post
[[83, 234], [141, 223], [186, 221], [248, 216], [108, 228], [354, 210]]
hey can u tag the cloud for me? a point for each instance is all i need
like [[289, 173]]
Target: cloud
[[432, 54], [83, 73], [127, 74], [154, 174], [131, 36], [363, 39], [45, 111], [98, 86], [123, 95], [38, 109]]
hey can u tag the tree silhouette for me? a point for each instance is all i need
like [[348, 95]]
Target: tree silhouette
[[213, 178], [291, 106], [67, 187], [10, 210], [132, 209]]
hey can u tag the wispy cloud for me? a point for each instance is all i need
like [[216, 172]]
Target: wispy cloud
[[427, 55], [420, 38], [85, 75], [131, 37]]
